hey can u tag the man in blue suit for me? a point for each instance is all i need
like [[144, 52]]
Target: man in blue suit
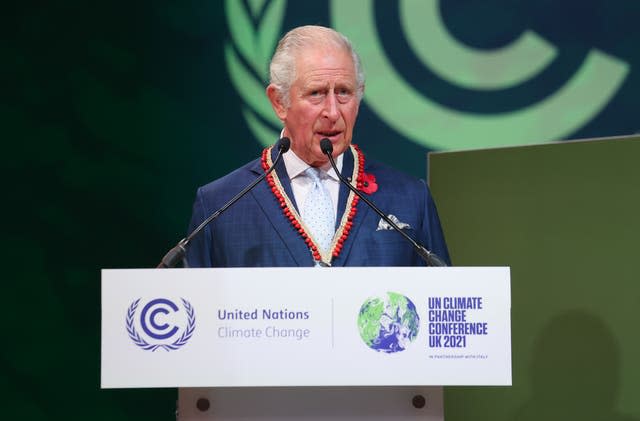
[[302, 215]]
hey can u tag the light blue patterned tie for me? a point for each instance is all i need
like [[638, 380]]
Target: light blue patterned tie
[[318, 213]]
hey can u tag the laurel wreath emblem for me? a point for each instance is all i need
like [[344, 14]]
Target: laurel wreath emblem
[[183, 339], [254, 31]]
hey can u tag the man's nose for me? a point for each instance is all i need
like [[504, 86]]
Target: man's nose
[[331, 107]]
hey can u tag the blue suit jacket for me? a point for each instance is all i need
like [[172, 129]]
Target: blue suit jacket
[[255, 232]]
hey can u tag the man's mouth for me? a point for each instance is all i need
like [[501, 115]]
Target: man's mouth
[[330, 133]]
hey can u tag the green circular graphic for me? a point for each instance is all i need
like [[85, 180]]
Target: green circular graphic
[[404, 109], [436, 126]]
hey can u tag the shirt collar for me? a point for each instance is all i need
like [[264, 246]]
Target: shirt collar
[[296, 166]]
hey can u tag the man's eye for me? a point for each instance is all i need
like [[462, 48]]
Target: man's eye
[[344, 95]]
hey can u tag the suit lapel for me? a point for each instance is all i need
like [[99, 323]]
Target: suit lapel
[[266, 200], [343, 193], [361, 213]]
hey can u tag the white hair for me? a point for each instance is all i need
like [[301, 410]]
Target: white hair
[[282, 70]]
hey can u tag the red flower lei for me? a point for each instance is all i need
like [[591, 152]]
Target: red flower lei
[[364, 182]]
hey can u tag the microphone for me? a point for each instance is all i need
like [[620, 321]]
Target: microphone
[[176, 254], [429, 257]]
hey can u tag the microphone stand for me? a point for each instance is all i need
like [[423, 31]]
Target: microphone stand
[[429, 257], [178, 252]]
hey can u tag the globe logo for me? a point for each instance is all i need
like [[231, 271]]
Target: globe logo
[[388, 324]]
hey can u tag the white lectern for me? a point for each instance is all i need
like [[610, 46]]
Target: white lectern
[[312, 343]]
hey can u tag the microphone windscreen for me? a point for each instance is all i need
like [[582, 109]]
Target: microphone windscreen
[[285, 144], [326, 146]]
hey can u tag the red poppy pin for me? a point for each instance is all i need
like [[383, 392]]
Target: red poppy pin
[[369, 184]]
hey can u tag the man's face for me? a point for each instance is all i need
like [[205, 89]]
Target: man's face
[[324, 103]]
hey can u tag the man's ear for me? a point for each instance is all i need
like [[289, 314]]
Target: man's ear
[[276, 102]]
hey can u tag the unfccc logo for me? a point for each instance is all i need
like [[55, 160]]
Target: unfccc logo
[[162, 323]]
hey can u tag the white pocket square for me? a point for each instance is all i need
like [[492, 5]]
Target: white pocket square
[[383, 225]]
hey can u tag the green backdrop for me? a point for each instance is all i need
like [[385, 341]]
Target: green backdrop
[[113, 112], [564, 218]]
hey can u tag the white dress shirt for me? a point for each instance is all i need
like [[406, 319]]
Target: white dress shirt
[[301, 184]]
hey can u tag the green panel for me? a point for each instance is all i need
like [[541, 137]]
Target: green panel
[[564, 217]]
